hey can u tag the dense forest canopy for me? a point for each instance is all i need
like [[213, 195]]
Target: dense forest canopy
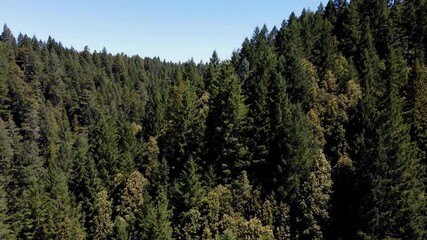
[[313, 130]]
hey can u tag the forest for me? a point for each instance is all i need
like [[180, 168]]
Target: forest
[[316, 129]]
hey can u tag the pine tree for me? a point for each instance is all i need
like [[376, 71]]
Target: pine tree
[[245, 198], [6, 157], [65, 215], [7, 36], [280, 113], [84, 182], [152, 157], [262, 59], [4, 78], [419, 115], [351, 29], [225, 125], [53, 84], [188, 188], [129, 148], [295, 159], [397, 195], [365, 138], [211, 78], [104, 148], [185, 125], [155, 222]]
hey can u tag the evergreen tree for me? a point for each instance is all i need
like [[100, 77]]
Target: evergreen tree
[[351, 29], [6, 157], [185, 125], [246, 198], [155, 223], [365, 138], [120, 229], [188, 188], [295, 160], [419, 115], [4, 78], [84, 183], [152, 156], [397, 195], [225, 124], [129, 148], [104, 148]]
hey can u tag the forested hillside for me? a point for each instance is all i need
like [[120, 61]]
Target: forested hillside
[[316, 129]]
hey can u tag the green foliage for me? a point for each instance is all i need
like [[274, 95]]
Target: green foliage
[[419, 125], [6, 156], [121, 229], [316, 130], [225, 124], [104, 148], [188, 189], [245, 197], [314, 201], [185, 126], [132, 198], [152, 156], [155, 222], [397, 194], [103, 224]]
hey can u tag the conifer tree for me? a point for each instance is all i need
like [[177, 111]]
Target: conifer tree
[[6, 157], [155, 222], [262, 58], [120, 231], [225, 125], [246, 197], [294, 163], [351, 29], [397, 195], [419, 115], [211, 78], [4, 78], [104, 148], [185, 124], [84, 182], [7, 37], [129, 148], [188, 188]]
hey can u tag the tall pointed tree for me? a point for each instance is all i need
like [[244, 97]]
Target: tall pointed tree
[[397, 195], [104, 148], [225, 125]]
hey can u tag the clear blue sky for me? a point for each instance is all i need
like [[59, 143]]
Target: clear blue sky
[[171, 29]]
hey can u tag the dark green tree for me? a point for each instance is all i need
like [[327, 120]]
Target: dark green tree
[[104, 148], [6, 157], [397, 195], [225, 124], [188, 189]]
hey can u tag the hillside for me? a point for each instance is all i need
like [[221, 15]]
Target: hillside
[[316, 129]]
